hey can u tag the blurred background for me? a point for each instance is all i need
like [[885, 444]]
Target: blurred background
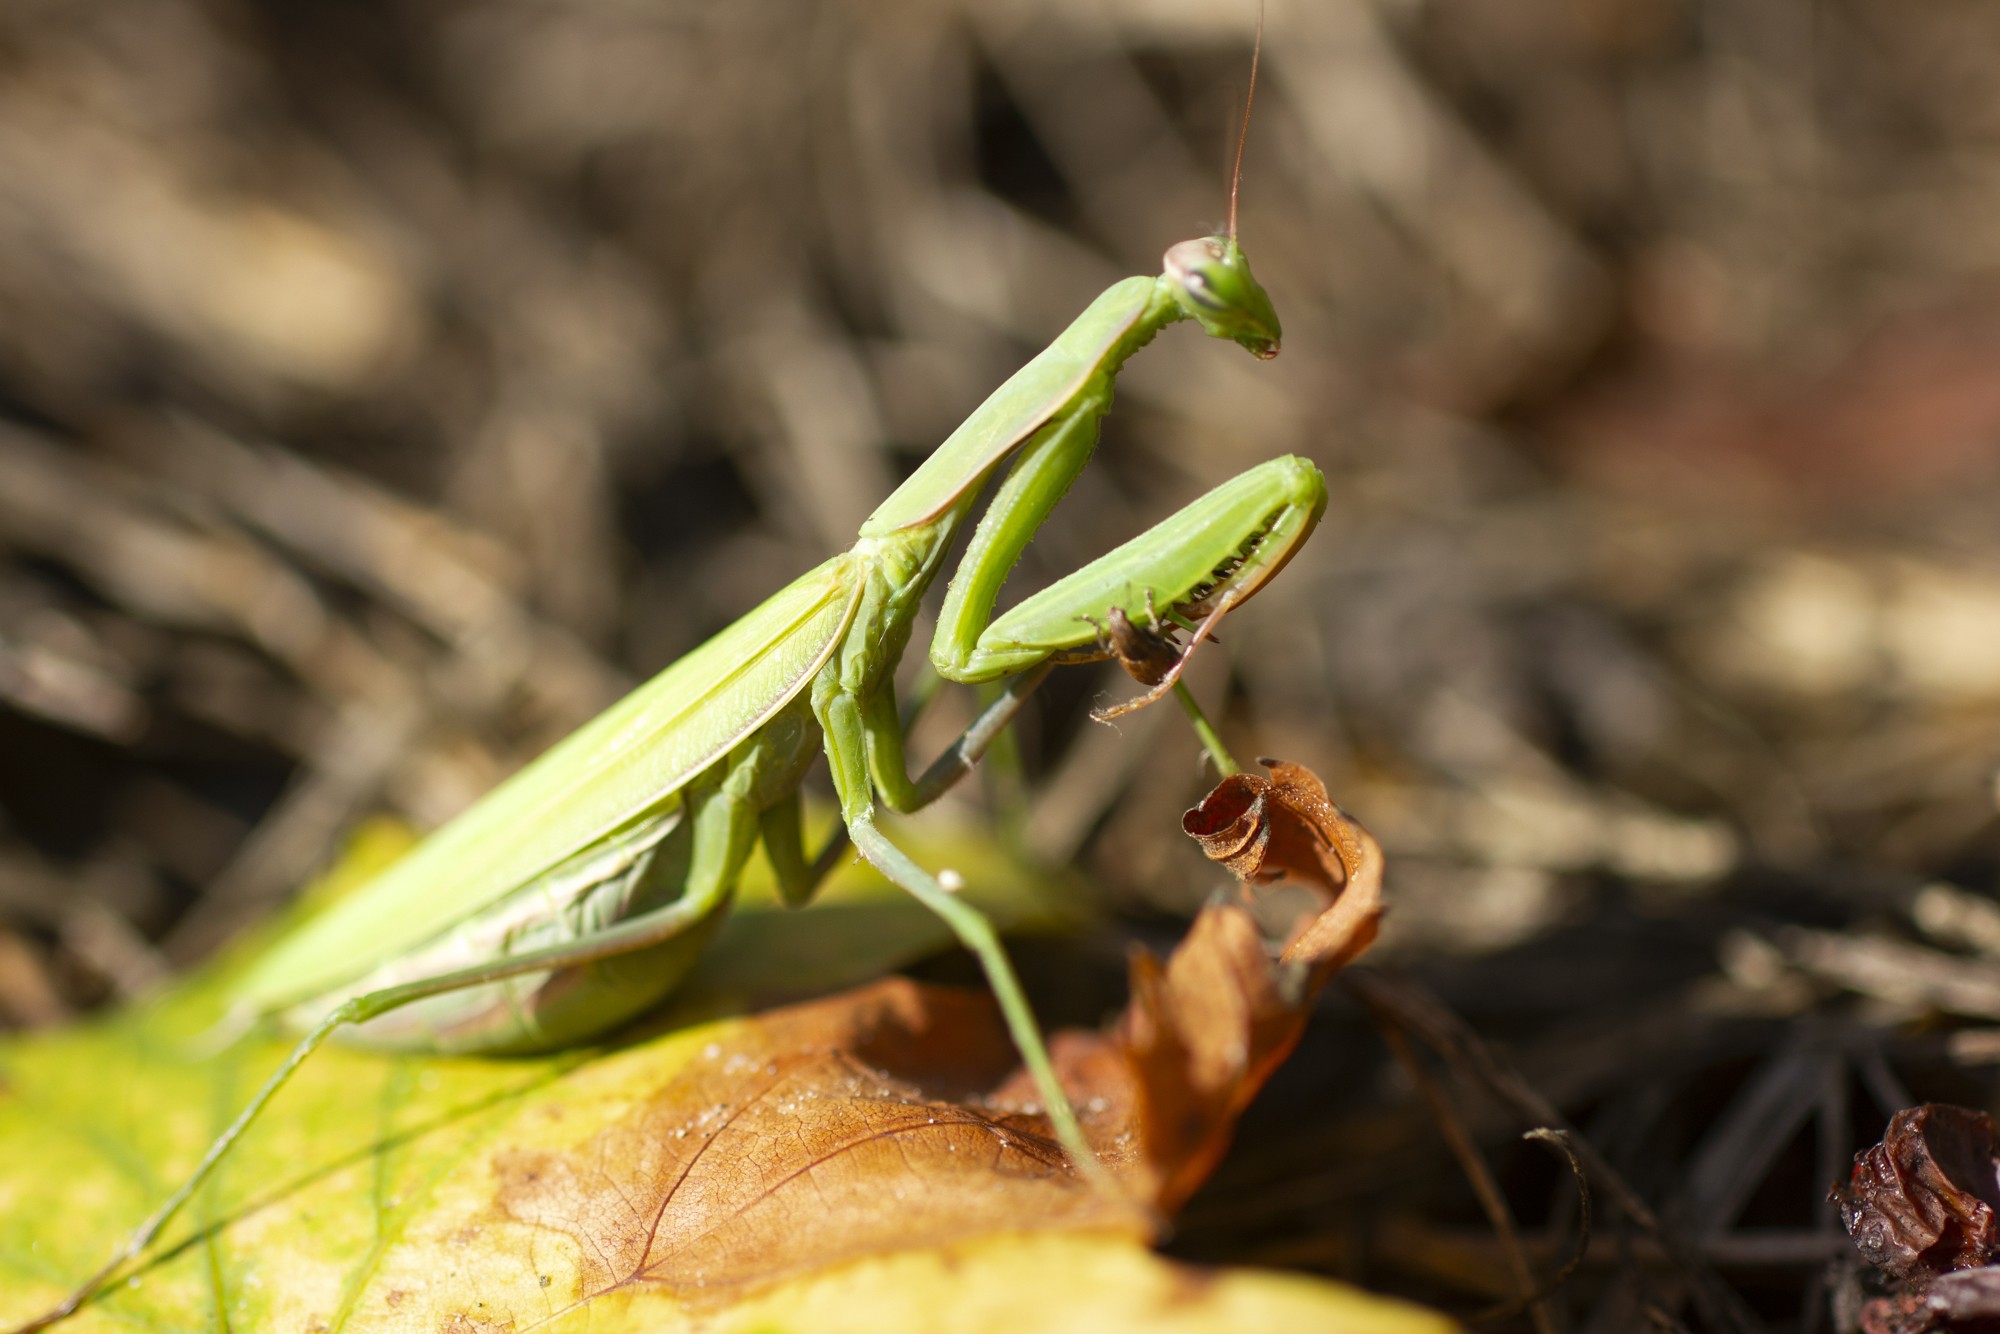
[[385, 387]]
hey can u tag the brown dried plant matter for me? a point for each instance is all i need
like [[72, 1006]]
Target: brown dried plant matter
[[1926, 1200], [1285, 827], [890, 1119], [1924, 1206]]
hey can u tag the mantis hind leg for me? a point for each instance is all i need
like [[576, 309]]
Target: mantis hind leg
[[977, 935], [658, 890], [660, 905]]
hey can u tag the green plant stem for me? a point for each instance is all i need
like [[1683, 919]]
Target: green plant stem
[[1225, 763]]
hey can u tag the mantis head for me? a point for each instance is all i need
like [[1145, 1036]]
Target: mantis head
[[1211, 279]]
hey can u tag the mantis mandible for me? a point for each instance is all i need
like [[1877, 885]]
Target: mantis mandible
[[577, 893]]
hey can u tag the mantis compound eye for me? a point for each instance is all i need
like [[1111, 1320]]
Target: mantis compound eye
[[1199, 291]]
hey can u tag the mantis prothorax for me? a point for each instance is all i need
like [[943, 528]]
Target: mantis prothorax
[[578, 893]]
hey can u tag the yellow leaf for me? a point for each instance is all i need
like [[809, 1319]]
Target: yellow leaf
[[867, 1160]]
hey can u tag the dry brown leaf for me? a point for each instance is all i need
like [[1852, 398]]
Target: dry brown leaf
[[1921, 1205], [1285, 827], [854, 1126], [1965, 1302], [1201, 1035], [890, 1118]]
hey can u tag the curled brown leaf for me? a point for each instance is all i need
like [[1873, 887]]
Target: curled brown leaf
[[1285, 827], [1202, 1033]]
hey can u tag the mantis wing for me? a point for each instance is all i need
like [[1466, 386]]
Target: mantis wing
[[629, 761]]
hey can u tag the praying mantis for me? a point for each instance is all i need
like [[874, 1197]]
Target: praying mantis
[[579, 892]]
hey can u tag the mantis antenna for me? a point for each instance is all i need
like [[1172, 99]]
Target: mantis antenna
[[1243, 131], [1171, 679]]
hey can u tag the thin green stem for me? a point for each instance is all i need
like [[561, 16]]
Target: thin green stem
[[1225, 763]]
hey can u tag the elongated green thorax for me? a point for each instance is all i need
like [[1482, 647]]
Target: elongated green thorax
[[1078, 366]]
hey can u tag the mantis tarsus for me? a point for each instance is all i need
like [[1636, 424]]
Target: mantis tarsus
[[578, 892]]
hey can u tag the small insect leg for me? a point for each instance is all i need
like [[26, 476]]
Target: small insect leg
[[1173, 672]]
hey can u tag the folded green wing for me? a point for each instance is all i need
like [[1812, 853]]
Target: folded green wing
[[630, 760]]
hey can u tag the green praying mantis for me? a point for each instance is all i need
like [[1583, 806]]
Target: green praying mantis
[[579, 892]]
